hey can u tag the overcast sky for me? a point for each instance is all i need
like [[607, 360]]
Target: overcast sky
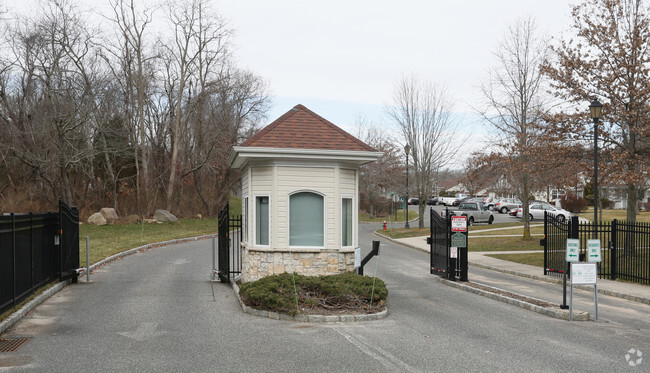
[[342, 58]]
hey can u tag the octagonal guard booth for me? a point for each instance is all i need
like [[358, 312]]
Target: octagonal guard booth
[[300, 196]]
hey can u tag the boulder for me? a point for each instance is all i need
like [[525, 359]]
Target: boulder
[[132, 219], [109, 214], [164, 216], [96, 219], [199, 216], [149, 221]]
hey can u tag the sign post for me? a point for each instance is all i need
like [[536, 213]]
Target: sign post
[[458, 246], [572, 255], [584, 274]]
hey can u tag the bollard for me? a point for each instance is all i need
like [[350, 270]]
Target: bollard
[[87, 259], [213, 260]]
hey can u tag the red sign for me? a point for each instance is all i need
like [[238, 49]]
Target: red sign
[[459, 223]]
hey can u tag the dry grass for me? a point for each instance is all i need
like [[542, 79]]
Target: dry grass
[[533, 259]]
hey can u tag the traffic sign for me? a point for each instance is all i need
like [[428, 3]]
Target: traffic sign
[[458, 240], [572, 250], [593, 251], [584, 274], [459, 223], [453, 252]]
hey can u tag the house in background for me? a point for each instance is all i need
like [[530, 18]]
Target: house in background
[[300, 188]]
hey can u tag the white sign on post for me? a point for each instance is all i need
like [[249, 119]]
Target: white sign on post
[[357, 257], [453, 252], [459, 223], [593, 251], [584, 274], [572, 250]]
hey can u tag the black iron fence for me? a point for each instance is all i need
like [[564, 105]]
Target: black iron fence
[[230, 238], [625, 247], [443, 262], [36, 249]]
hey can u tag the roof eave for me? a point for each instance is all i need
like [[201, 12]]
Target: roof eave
[[241, 154]]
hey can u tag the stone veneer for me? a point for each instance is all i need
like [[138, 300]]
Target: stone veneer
[[258, 263]]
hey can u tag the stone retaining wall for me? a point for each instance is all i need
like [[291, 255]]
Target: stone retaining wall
[[261, 263]]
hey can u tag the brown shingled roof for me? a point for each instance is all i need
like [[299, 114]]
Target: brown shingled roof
[[301, 128]]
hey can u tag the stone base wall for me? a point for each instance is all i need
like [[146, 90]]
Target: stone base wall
[[257, 264]]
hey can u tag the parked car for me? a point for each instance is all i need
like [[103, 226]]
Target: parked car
[[515, 211], [432, 201], [536, 211], [461, 200], [475, 212], [449, 201], [506, 204], [414, 201], [489, 202]]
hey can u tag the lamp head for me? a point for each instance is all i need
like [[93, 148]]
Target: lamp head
[[595, 109]]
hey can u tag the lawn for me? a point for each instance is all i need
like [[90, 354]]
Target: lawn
[[503, 244], [518, 229], [481, 243], [609, 215], [107, 240], [533, 259], [399, 216]]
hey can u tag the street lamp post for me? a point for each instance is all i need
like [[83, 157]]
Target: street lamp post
[[595, 109], [407, 149]]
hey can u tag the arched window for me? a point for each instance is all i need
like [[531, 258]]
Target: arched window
[[306, 219]]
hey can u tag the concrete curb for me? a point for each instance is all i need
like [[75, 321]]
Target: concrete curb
[[16, 316], [307, 318], [553, 280], [610, 293], [557, 314], [400, 243]]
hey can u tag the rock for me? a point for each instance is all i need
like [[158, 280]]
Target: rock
[[199, 216], [149, 221], [109, 214], [163, 216], [131, 219], [96, 219]]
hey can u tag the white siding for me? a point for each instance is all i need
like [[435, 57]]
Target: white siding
[[244, 182], [294, 179], [261, 180], [348, 182]]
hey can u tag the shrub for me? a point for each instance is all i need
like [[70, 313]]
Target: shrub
[[568, 203], [342, 291]]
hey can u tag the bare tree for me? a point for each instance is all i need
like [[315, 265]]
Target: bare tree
[[608, 57], [199, 39], [378, 179], [514, 103], [422, 113], [131, 52], [49, 119]]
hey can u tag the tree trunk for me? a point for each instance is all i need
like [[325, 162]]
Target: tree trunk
[[632, 205]]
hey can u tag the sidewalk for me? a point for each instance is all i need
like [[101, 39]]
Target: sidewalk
[[630, 291]]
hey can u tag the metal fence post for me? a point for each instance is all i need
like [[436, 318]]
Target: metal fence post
[[87, 259], [214, 264], [13, 256], [613, 250]]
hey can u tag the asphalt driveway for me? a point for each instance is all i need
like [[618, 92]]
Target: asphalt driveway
[[157, 310]]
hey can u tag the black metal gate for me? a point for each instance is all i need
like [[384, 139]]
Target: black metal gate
[[69, 247], [229, 251], [36, 249], [442, 262]]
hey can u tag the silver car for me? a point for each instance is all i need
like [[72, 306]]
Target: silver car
[[536, 211], [506, 204]]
